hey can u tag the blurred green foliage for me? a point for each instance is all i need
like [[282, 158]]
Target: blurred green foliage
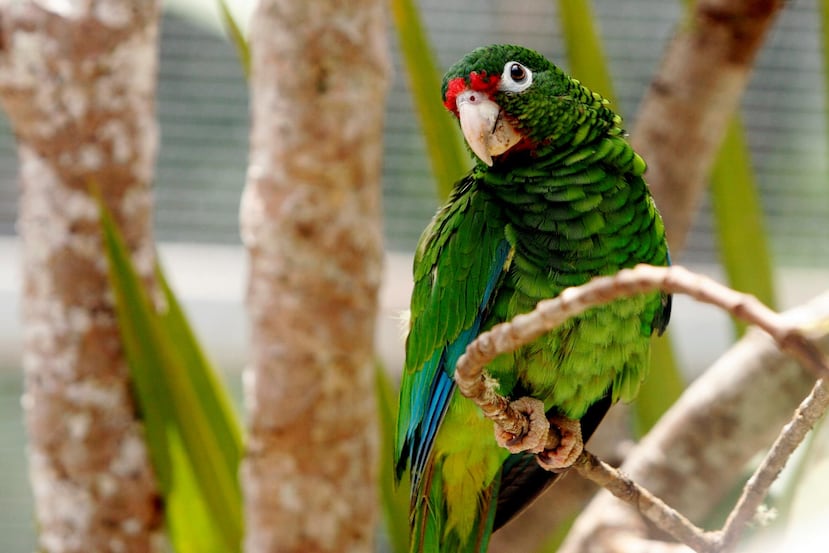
[[444, 144], [394, 498], [236, 36], [738, 215], [192, 432]]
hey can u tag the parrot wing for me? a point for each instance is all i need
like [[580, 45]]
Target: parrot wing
[[458, 265]]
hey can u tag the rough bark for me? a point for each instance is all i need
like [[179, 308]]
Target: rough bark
[[310, 223], [705, 440], [684, 115], [77, 81]]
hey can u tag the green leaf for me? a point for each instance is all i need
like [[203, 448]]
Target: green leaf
[[553, 541], [236, 36], [202, 377], [738, 215], [394, 498], [824, 42], [189, 523], [582, 42], [661, 388], [444, 144], [192, 433]]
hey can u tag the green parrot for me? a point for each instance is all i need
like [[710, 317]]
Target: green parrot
[[556, 198]]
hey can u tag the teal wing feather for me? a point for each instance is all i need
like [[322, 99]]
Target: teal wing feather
[[459, 262]]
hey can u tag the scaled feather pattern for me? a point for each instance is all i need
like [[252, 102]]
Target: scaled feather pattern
[[556, 198]]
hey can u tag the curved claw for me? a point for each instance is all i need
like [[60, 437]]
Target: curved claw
[[536, 436], [569, 447]]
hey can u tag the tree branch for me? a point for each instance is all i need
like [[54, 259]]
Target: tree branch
[[78, 85], [684, 114], [805, 417], [476, 385], [548, 314], [310, 223], [621, 486], [706, 438]]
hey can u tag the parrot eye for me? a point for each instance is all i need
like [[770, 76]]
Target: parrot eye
[[516, 77], [516, 71]]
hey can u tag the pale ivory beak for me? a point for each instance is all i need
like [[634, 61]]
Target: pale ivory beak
[[486, 133]]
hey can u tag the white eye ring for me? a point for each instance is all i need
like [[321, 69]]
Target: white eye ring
[[516, 77]]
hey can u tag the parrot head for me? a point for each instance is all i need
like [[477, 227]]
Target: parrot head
[[509, 98]]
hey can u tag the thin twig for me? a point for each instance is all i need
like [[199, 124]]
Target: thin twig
[[475, 384], [754, 491], [592, 468]]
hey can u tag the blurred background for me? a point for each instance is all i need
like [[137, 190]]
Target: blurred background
[[203, 113]]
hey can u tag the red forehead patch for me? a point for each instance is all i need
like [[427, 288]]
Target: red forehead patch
[[480, 82]]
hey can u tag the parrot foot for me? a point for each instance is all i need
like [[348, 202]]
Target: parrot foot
[[535, 437], [570, 445]]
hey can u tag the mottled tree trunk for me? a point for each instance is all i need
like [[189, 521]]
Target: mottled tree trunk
[[77, 81], [686, 110], [310, 222]]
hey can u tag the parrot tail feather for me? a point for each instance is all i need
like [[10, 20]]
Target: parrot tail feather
[[430, 531], [486, 517]]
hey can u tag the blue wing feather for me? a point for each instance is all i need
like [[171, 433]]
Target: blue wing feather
[[436, 377]]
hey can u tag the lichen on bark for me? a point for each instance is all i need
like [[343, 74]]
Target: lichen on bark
[[310, 222], [77, 81]]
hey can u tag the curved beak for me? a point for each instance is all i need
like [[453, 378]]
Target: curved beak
[[487, 133]]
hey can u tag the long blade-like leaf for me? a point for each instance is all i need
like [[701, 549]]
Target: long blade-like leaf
[[742, 240], [236, 36], [443, 139], [585, 56], [738, 215], [203, 379], [162, 361], [824, 42], [134, 332], [660, 389], [394, 499], [190, 526]]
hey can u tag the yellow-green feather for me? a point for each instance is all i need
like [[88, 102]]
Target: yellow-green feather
[[571, 206]]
